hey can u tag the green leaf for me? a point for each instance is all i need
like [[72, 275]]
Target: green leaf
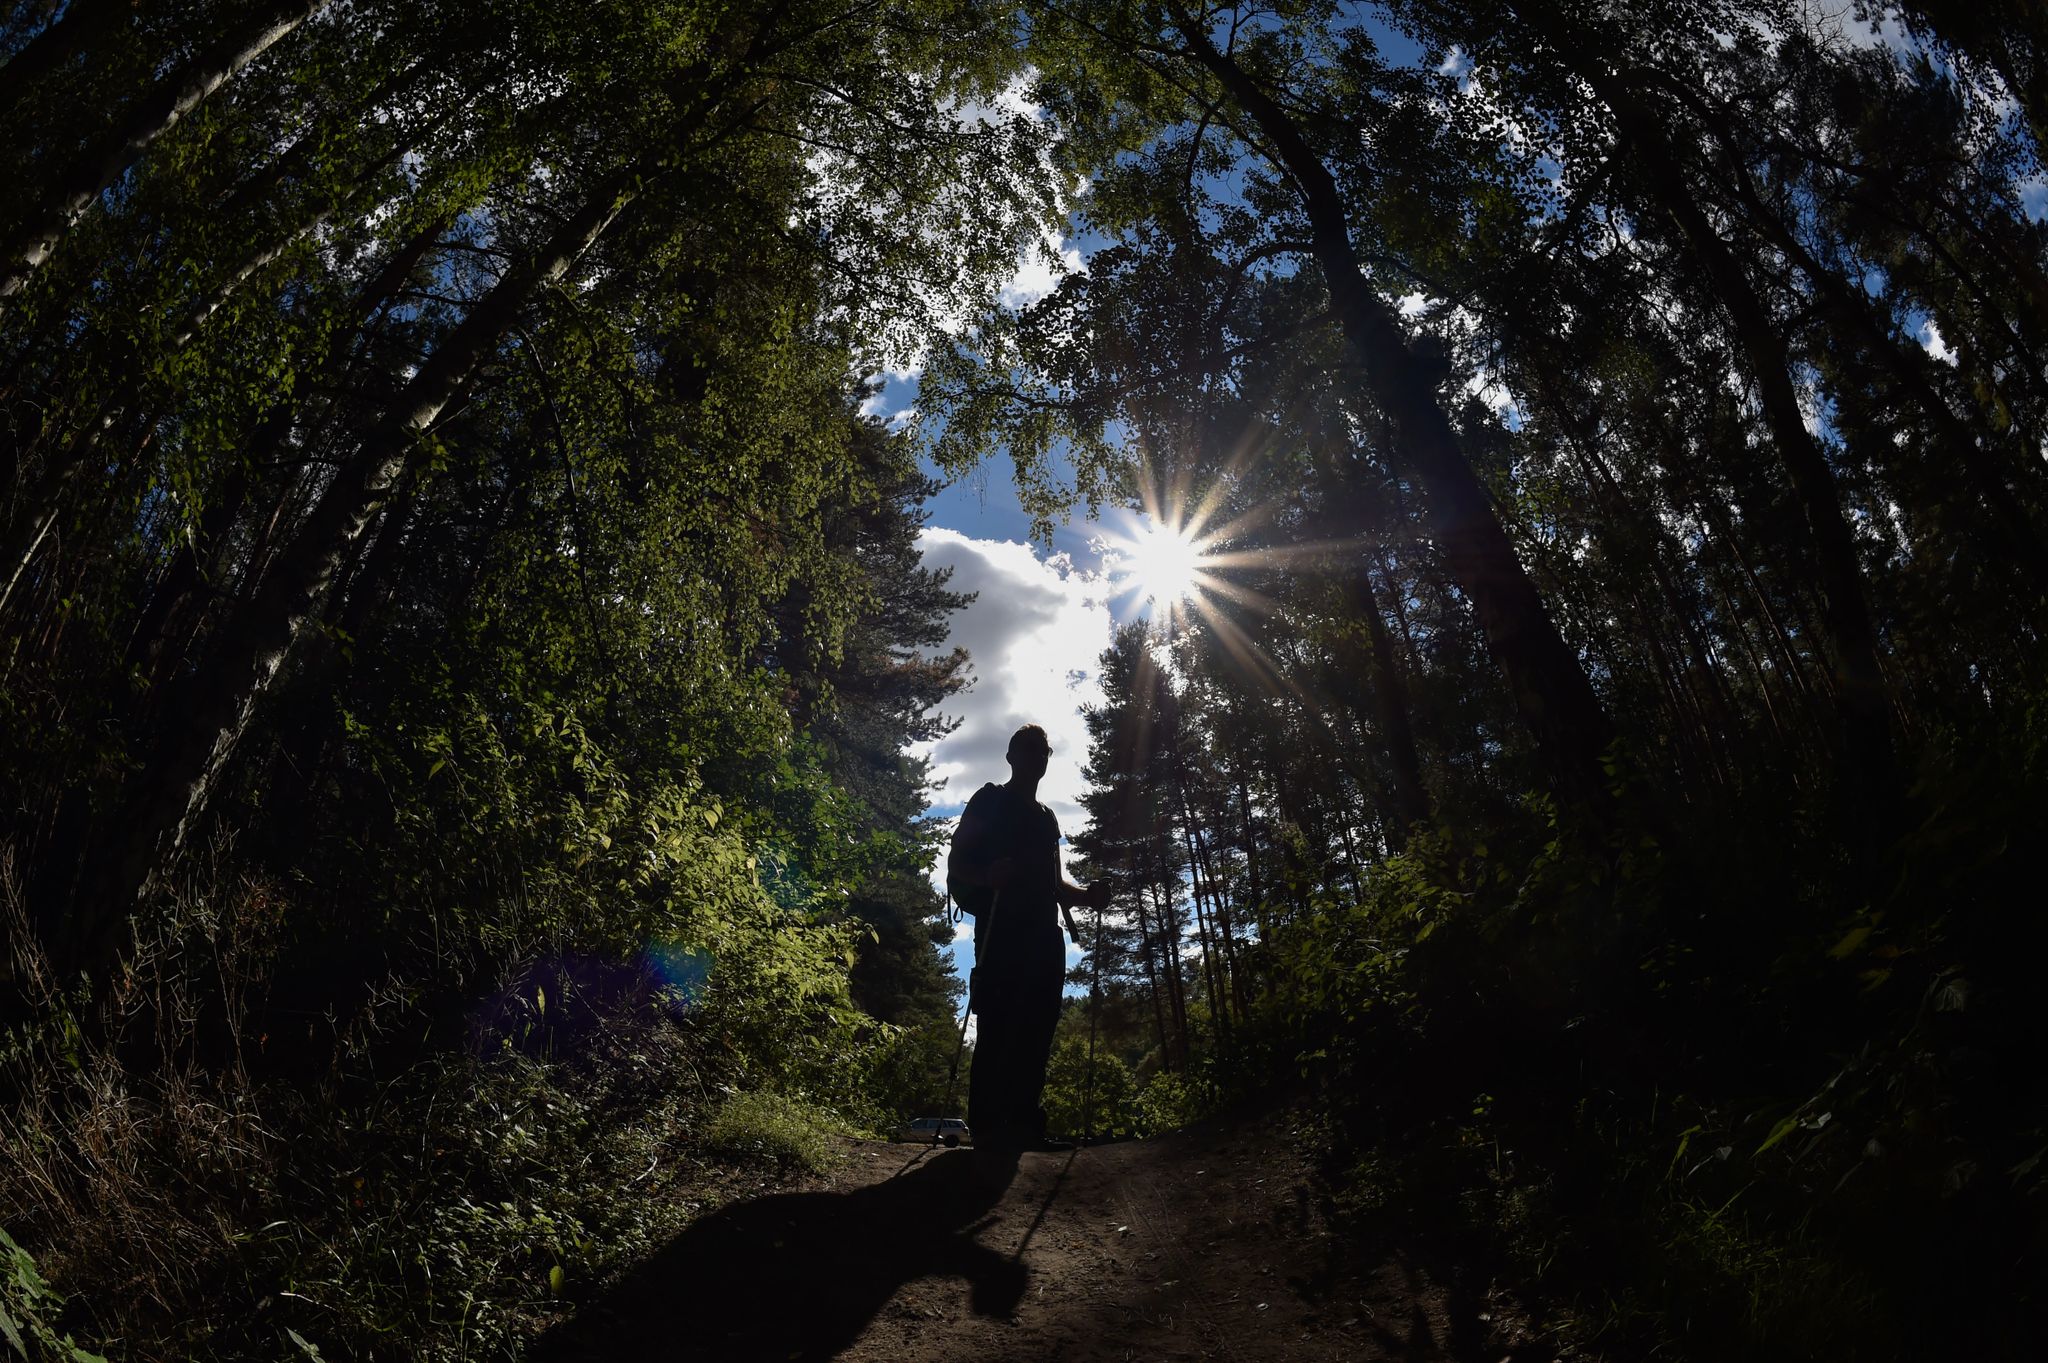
[[1780, 1132], [1684, 1142], [556, 1278], [1851, 940]]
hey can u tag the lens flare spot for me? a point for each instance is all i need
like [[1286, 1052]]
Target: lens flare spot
[[681, 970]]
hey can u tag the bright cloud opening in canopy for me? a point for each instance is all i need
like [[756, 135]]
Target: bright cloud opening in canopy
[[1035, 632]]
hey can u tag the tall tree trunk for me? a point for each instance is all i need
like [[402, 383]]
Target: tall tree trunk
[[1851, 636], [171, 605], [1756, 670], [1384, 677], [1256, 881], [1642, 537], [1351, 859], [1170, 941], [171, 598], [73, 188], [1219, 907], [1995, 494], [1212, 982], [45, 501], [1145, 949], [172, 789], [1551, 693]]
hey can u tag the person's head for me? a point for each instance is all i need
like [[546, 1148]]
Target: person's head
[[1029, 751]]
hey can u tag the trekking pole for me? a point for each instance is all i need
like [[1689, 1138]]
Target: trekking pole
[[981, 955]]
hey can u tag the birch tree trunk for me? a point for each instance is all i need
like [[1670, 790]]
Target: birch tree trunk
[[71, 191], [172, 789]]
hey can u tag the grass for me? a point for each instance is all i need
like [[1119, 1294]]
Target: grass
[[771, 1127]]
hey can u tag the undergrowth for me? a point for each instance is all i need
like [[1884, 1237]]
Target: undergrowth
[[1715, 1094], [771, 1127], [207, 1171]]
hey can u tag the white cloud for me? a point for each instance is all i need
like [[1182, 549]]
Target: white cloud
[[2034, 197], [1011, 102], [1040, 269], [1035, 632], [1930, 338]]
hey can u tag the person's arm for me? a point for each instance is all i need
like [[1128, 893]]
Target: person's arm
[[1072, 896], [971, 870]]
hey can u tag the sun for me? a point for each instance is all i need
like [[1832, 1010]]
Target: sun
[[1164, 563]]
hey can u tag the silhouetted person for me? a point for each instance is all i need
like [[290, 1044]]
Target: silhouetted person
[[1009, 843]]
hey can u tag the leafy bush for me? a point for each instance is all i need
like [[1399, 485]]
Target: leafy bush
[[353, 1187], [1080, 1097], [1165, 1104], [913, 1074], [1706, 1091], [770, 1126], [28, 1309]]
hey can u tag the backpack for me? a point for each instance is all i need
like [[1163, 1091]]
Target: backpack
[[976, 900]]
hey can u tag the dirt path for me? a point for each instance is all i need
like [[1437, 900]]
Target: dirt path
[[1201, 1245]]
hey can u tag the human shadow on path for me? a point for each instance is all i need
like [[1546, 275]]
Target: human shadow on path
[[800, 1275]]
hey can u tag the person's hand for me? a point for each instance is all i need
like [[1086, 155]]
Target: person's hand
[[1002, 871], [1099, 895]]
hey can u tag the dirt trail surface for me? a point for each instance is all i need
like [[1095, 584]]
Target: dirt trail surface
[[1206, 1244]]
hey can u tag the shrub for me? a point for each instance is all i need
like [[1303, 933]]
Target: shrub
[[1165, 1104], [1080, 1097], [510, 1106], [28, 1309], [769, 1126]]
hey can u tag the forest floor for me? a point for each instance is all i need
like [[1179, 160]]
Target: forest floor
[[1210, 1243]]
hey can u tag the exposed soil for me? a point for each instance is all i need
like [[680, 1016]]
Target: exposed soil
[[1206, 1244]]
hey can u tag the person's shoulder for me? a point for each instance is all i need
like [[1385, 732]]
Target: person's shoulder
[[984, 803]]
